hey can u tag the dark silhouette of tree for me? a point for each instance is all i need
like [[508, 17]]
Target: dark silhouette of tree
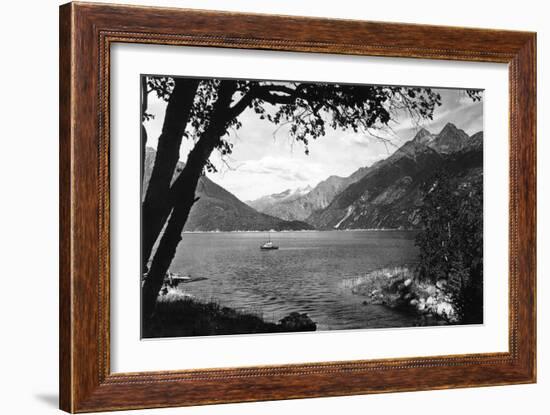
[[205, 110], [451, 240], [157, 203]]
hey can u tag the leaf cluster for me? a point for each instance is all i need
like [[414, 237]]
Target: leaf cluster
[[162, 86]]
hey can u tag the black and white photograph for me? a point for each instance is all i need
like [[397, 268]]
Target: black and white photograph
[[273, 206]]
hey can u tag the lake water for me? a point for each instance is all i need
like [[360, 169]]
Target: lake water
[[306, 274]]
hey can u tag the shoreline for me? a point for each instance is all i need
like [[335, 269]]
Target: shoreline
[[399, 288], [306, 231]]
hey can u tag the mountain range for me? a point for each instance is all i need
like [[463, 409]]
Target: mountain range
[[292, 205], [265, 203], [219, 210], [386, 195]]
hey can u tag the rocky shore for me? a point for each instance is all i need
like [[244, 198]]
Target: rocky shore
[[398, 287]]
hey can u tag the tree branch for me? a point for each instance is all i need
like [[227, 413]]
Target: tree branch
[[275, 99], [268, 94], [243, 103]]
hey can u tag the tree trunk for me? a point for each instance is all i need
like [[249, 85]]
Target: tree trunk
[[156, 206], [144, 104], [184, 188]]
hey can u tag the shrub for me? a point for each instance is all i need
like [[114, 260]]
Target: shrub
[[177, 316], [451, 239]]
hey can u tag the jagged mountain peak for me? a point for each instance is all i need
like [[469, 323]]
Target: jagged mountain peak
[[304, 201], [423, 136], [411, 149], [284, 196], [450, 139], [390, 195], [450, 127]]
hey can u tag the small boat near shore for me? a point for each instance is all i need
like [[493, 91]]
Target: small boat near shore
[[173, 279], [268, 246]]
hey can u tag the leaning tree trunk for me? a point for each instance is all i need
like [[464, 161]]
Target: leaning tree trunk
[[184, 189], [156, 206], [144, 104]]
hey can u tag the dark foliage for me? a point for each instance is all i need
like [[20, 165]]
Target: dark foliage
[[189, 317], [451, 241]]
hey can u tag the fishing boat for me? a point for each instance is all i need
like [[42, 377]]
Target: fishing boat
[[266, 246]]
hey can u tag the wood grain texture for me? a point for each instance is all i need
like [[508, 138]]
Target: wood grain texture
[[65, 251], [86, 33]]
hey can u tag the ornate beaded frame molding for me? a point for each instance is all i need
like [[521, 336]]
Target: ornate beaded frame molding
[[87, 32]]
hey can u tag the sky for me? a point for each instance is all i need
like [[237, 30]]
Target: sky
[[265, 159]]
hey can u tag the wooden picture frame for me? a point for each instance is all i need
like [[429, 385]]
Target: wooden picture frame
[[86, 33]]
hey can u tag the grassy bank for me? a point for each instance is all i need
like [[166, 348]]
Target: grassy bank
[[178, 316], [399, 287]]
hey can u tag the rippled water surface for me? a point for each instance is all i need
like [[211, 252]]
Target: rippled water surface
[[306, 274]]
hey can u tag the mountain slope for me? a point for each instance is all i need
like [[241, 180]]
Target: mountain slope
[[290, 206], [389, 195], [475, 142], [286, 196], [218, 209]]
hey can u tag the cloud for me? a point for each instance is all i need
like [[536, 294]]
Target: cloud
[[282, 168], [266, 160], [251, 179]]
